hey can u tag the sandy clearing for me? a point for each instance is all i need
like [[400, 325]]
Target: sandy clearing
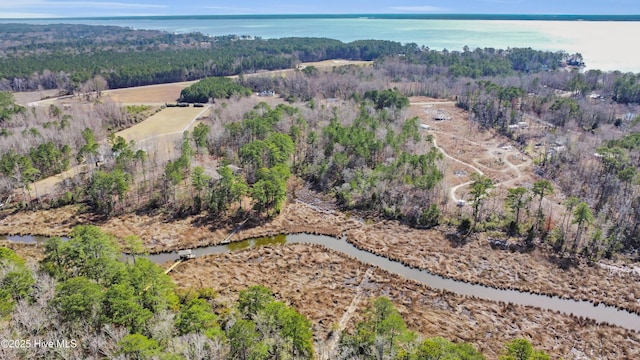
[[335, 62], [24, 98], [469, 148]]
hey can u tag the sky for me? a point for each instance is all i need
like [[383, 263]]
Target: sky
[[104, 8]]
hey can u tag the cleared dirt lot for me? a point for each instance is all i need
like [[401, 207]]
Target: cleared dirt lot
[[470, 148]]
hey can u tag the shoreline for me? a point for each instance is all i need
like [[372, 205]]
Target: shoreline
[[372, 16]]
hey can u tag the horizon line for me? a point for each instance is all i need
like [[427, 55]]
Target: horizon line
[[408, 16]]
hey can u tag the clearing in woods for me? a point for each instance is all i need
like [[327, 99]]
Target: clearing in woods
[[163, 127], [467, 149], [174, 120], [161, 94], [148, 95]]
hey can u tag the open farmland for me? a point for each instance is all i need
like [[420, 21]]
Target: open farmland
[[161, 94], [168, 121], [148, 95]]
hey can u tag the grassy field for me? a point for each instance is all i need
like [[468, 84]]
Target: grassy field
[[152, 94], [168, 93], [337, 62], [168, 121]]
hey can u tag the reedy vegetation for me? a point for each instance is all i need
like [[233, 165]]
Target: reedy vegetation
[[105, 307]]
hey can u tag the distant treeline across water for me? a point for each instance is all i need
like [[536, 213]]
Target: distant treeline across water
[[542, 17], [601, 39]]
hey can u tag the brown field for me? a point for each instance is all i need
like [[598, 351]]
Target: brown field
[[161, 94], [151, 94], [326, 65], [337, 62], [321, 284], [26, 97], [169, 93]]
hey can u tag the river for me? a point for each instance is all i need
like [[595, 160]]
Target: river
[[599, 313]]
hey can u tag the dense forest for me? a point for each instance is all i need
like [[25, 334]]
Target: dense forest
[[209, 89], [126, 57], [361, 149], [93, 305]]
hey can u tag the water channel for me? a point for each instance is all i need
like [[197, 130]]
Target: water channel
[[600, 313]]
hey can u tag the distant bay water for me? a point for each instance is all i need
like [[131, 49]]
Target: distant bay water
[[606, 43]]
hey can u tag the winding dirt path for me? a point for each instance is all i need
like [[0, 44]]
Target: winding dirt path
[[477, 166], [452, 191], [332, 342]]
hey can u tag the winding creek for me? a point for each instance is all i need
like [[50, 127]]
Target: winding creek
[[585, 309]]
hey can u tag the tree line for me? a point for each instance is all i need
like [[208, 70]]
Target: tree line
[[209, 89], [158, 57]]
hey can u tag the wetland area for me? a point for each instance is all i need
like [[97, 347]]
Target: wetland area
[[320, 275]]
